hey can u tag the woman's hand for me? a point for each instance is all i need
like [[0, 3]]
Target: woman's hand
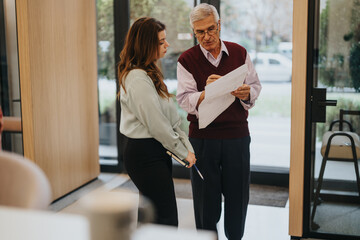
[[191, 159]]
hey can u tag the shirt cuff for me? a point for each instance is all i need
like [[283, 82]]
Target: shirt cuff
[[194, 98]]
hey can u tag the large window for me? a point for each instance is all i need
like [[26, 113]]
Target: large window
[[175, 15], [179, 34], [106, 83], [264, 28]]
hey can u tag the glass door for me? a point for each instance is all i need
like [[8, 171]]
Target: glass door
[[264, 28], [334, 188]]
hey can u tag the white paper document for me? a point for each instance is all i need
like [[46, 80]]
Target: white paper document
[[218, 95]]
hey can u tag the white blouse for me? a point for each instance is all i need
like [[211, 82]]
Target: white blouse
[[144, 114]]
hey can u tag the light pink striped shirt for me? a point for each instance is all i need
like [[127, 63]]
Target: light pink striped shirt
[[188, 95]]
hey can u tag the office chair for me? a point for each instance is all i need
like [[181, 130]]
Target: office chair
[[338, 146], [22, 183]]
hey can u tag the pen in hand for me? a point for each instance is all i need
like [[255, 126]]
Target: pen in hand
[[198, 172], [184, 163]]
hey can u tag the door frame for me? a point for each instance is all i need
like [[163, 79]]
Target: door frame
[[301, 124], [298, 118]]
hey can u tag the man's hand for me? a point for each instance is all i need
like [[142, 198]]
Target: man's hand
[[243, 92], [212, 78]]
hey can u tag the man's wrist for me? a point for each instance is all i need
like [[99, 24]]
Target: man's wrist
[[201, 98], [247, 101]]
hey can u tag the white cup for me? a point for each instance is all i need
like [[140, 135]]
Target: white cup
[[112, 214]]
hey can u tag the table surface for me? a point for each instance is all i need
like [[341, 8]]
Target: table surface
[[20, 224], [16, 224], [156, 232]]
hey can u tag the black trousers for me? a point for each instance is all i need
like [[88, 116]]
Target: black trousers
[[225, 165], [150, 168]]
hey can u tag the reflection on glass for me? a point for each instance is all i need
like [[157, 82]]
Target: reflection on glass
[[175, 15], [9, 76], [106, 80], [264, 28], [336, 68]]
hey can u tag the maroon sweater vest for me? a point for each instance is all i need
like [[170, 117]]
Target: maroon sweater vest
[[232, 123]]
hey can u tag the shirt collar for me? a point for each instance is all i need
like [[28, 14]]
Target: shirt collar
[[207, 54]]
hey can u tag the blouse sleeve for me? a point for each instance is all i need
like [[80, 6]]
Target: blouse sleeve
[[184, 139], [144, 103]]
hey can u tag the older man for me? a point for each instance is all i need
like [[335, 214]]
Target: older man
[[222, 148]]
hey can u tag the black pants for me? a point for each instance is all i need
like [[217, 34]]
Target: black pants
[[150, 168], [225, 165]]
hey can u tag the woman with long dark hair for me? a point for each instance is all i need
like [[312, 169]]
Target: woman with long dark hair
[[149, 118]]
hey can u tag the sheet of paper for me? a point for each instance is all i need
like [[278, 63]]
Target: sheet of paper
[[227, 83], [218, 97]]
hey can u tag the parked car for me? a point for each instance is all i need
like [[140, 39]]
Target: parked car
[[272, 67], [285, 48]]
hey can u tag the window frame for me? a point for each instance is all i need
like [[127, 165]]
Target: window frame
[[278, 176]]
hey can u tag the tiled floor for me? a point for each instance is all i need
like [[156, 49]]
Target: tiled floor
[[262, 222]]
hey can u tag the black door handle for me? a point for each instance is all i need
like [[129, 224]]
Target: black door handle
[[327, 103], [319, 103]]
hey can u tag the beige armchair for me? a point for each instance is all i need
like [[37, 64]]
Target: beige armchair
[[22, 183]]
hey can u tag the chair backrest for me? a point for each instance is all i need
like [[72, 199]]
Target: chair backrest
[[347, 112], [22, 183], [341, 144]]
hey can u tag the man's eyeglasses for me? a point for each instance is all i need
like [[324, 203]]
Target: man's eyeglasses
[[210, 31]]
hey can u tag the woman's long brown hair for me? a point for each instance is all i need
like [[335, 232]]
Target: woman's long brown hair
[[141, 50]]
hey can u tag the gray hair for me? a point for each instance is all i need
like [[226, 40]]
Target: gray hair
[[202, 11]]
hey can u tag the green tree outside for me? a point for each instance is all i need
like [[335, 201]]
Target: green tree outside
[[105, 35]]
